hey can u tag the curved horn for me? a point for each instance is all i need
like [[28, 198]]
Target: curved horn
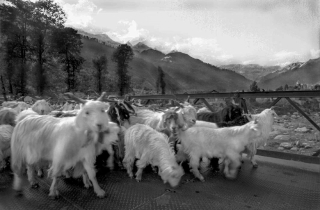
[[71, 96], [102, 96], [272, 108], [188, 99]]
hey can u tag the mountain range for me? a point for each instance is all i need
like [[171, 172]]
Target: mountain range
[[186, 74]]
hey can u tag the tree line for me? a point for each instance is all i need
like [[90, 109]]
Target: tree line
[[38, 53]]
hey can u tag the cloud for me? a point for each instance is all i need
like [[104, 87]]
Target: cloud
[[130, 32], [79, 14], [283, 57]]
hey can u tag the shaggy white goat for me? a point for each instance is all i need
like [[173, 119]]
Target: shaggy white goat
[[266, 117], [41, 107], [151, 147], [226, 143], [200, 123], [67, 106], [105, 141], [5, 140], [61, 141], [18, 106], [187, 116], [24, 114]]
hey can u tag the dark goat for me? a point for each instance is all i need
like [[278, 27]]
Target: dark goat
[[170, 124], [227, 114], [119, 112]]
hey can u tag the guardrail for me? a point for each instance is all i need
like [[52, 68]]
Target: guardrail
[[241, 96]]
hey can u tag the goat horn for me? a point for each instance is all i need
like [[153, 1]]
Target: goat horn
[[102, 96], [273, 107], [71, 96], [188, 99]]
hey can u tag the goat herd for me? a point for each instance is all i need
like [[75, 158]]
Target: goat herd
[[67, 143]]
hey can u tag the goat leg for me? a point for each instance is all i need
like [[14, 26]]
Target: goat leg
[[194, 163], [92, 176], [31, 178]]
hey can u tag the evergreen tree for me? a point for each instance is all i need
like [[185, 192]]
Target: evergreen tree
[[161, 85], [122, 56], [67, 45], [100, 64], [46, 16]]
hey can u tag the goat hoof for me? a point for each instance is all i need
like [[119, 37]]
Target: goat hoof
[[18, 193], [101, 193], [138, 180], [54, 197], [255, 165], [35, 186]]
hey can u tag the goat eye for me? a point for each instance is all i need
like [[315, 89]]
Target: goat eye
[[102, 110], [87, 113]]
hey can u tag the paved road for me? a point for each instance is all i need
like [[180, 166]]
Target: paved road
[[271, 186]]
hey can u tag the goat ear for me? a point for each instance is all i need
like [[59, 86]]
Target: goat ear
[[176, 109]]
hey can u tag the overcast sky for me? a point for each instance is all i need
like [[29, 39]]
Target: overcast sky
[[265, 32]]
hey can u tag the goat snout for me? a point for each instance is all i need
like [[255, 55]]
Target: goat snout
[[99, 126], [42, 111]]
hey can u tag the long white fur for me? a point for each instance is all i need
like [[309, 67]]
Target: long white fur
[[226, 143], [108, 138], [200, 123], [187, 117], [18, 106], [5, 141], [147, 117], [67, 106], [24, 114], [61, 141], [266, 119], [151, 147]]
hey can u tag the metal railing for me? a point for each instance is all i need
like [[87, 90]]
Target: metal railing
[[241, 96]]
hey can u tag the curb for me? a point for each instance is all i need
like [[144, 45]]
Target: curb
[[289, 156]]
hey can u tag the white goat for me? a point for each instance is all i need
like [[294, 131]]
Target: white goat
[[151, 147], [187, 116], [41, 107], [226, 143], [200, 123], [62, 141], [266, 119], [5, 141], [24, 114], [105, 141], [67, 106], [18, 106]]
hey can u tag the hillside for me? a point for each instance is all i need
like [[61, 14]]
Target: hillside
[[251, 71], [308, 72], [182, 72], [193, 74], [141, 71]]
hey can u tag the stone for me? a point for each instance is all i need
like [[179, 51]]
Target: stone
[[294, 149], [303, 130], [286, 145], [282, 137], [280, 148]]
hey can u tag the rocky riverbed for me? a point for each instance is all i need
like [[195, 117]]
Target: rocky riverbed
[[293, 133]]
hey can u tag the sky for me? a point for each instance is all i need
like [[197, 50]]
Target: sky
[[264, 32]]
